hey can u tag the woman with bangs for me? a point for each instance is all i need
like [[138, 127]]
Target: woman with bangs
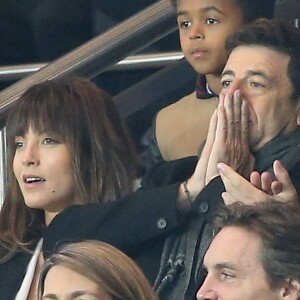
[[66, 145], [69, 156]]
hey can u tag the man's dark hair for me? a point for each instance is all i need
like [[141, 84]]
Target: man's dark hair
[[276, 35], [251, 9], [277, 224]]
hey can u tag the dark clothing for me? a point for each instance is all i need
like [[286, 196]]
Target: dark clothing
[[181, 272], [12, 274], [187, 249], [117, 222], [143, 240], [122, 223], [145, 225]]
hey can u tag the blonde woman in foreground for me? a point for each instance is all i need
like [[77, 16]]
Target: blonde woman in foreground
[[92, 270]]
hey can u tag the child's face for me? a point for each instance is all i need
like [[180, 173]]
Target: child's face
[[204, 26]]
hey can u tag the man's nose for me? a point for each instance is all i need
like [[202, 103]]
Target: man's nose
[[234, 86], [238, 84], [208, 296], [206, 291]]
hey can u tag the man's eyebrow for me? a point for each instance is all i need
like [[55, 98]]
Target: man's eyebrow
[[258, 73], [221, 266], [207, 9], [225, 265], [227, 72], [248, 74]]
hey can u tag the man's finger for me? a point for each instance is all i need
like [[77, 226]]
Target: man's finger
[[230, 175], [255, 179], [245, 122], [200, 171], [237, 107], [276, 187], [266, 181], [228, 106], [221, 128], [227, 198], [281, 173], [283, 177]]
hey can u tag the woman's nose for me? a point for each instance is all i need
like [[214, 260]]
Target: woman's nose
[[30, 156]]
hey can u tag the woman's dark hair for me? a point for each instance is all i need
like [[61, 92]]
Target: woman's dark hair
[[87, 121]]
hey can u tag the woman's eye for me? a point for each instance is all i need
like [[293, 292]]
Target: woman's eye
[[49, 141], [210, 21], [18, 145]]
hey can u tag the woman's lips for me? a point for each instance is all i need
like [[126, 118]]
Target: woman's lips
[[32, 180]]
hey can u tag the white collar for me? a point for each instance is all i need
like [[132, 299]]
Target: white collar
[[27, 281]]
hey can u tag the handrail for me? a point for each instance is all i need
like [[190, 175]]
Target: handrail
[[98, 54], [141, 61]]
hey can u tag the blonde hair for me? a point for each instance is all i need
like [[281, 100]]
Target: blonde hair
[[112, 270]]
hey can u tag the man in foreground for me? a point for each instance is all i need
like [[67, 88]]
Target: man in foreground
[[255, 254]]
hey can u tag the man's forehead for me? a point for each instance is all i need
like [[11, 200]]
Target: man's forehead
[[255, 57], [232, 248], [251, 55]]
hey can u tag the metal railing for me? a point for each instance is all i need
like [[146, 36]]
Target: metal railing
[[134, 62], [97, 55]]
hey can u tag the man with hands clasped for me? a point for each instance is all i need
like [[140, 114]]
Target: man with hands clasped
[[255, 123], [253, 140], [227, 153]]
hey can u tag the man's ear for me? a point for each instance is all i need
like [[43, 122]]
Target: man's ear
[[290, 290]]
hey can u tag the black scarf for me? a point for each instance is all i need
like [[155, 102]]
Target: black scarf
[[285, 148]]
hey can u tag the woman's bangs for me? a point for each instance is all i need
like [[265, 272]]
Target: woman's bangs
[[40, 112], [36, 115]]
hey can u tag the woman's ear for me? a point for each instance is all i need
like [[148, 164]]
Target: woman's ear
[[290, 290]]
